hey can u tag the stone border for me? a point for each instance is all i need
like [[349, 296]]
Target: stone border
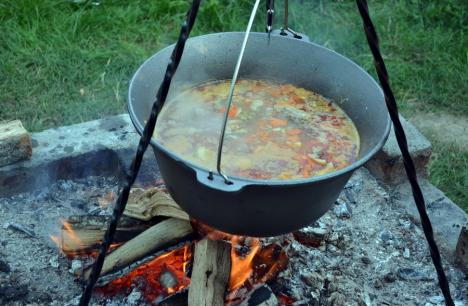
[[100, 147], [107, 146], [387, 164]]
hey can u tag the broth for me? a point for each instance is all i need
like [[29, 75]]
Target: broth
[[274, 131]]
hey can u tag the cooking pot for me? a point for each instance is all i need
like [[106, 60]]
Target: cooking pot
[[260, 207]]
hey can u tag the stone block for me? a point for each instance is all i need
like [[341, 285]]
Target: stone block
[[387, 164], [461, 253], [447, 218], [101, 147]]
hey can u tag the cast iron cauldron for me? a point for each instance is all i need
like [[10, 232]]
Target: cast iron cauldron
[[255, 207]]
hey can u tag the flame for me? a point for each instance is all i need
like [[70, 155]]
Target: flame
[[260, 265], [73, 237], [251, 262], [147, 277], [241, 265], [73, 246]]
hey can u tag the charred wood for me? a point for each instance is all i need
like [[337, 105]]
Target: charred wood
[[260, 296], [177, 299]]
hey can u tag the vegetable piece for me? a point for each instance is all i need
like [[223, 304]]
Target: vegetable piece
[[233, 111], [319, 161], [276, 122], [293, 132]]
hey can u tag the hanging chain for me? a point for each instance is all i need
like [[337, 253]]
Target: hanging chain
[[373, 41], [142, 146]]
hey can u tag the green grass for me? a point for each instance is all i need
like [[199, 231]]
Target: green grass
[[448, 171], [63, 62]]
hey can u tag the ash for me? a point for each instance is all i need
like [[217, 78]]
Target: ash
[[364, 251], [32, 271], [371, 253]]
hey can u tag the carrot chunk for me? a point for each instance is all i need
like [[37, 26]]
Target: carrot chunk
[[294, 132], [276, 122], [232, 111]]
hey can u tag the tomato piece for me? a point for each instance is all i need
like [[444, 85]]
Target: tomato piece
[[232, 111], [294, 131]]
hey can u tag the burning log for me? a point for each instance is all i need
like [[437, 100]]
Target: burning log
[[84, 234], [167, 232], [146, 204], [210, 275]]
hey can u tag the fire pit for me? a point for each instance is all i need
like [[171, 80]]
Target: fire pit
[[365, 251], [157, 254]]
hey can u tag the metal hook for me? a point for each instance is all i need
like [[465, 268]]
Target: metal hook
[[285, 27], [270, 6]]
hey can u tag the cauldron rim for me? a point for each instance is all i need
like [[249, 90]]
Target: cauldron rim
[[248, 181]]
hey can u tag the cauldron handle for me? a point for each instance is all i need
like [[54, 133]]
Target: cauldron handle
[[231, 93], [218, 182]]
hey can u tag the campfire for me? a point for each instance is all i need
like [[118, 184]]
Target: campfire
[[166, 256]]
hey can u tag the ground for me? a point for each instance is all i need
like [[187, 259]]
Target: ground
[[70, 61]]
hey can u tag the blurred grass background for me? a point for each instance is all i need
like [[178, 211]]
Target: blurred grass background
[[63, 62]]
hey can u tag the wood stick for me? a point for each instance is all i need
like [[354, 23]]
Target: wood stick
[[83, 233], [15, 142], [167, 232], [146, 204], [210, 275]]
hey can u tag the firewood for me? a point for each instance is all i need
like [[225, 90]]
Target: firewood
[[163, 234], [210, 275], [15, 142], [146, 204], [125, 271], [84, 233]]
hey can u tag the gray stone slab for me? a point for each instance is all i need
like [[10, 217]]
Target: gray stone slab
[[446, 217], [461, 253], [100, 147], [387, 165]]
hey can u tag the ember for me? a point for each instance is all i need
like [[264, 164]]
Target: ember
[[152, 278], [253, 261], [260, 265], [252, 264], [241, 265]]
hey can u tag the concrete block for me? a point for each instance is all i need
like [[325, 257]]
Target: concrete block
[[387, 164], [100, 147]]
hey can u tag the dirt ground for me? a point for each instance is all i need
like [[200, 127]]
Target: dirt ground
[[443, 127]]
